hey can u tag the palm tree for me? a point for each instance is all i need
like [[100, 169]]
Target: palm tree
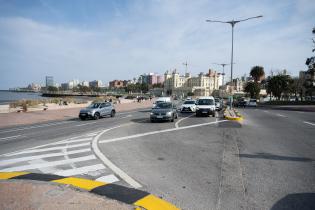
[[258, 73]]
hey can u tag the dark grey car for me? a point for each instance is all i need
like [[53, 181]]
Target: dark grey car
[[97, 110], [164, 112]]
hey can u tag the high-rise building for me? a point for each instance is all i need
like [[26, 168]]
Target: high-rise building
[[50, 81]]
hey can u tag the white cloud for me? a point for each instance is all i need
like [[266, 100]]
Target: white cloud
[[156, 36]]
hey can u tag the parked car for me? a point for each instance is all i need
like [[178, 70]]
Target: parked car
[[241, 104], [188, 106], [161, 100], [252, 103], [218, 104], [165, 111], [205, 106], [97, 110]]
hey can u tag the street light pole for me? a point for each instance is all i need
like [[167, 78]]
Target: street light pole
[[223, 65], [233, 23]]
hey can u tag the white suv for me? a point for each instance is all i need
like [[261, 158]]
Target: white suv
[[205, 106]]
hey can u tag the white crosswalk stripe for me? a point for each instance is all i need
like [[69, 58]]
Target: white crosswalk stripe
[[51, 149], [28, 158], [80, 170], [68, 157]]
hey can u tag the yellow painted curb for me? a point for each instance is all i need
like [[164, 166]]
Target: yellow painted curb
[[135, 197]]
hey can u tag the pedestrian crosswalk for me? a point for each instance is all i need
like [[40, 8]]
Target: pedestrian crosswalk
[[69, 157]]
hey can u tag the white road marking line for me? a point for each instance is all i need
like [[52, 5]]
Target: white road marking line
[[108, 163], [10, 137], [35, 126], [45, 170], [49, 149], [309, 123], [66, 156], [80, 170], [155, 132], [108, 179], [86, 124], [45, 145], [266, 111], [176, 124], [28, 158], [280, 115], [73, 141], [48, 164]]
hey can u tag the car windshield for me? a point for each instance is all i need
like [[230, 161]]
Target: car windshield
[[163, 106], [94, 105], [217, 100], [189, 102], [205, 102]]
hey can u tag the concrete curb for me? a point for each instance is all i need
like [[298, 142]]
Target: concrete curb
[[238, 118], [135, 197]]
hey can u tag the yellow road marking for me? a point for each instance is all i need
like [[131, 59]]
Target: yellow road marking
[[8, 175], [81, 183], [152, 202]]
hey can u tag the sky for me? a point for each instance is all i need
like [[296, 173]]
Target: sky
[[121, 39]]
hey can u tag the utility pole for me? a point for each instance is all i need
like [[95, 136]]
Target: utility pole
[[223, 65], [232, 23], [185, 64]]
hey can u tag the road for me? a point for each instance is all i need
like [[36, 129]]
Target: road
[[265, 162]]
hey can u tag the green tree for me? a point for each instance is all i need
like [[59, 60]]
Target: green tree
[[258, 73], [277, 85], [84, 89], [190, 94], [253, 88], [52, 89]]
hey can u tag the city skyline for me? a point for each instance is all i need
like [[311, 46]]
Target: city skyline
[[121, 39]]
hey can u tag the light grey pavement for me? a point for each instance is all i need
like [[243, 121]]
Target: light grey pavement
[[265, 162], [253, 165]]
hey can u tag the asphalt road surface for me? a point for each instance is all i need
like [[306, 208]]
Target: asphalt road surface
[[265, 162]]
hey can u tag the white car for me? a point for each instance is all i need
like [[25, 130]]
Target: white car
[[188, 106], [161, 100], [252, 103], [205, 106]]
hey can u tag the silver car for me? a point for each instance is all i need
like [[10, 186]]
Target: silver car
[[97, 110], [164, 112]]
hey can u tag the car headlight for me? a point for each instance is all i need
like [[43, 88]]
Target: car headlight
[[89, 112], [151, 113], [197, 108], [169, 113]]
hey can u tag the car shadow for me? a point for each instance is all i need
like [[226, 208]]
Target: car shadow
[[269, 156], [301, 201], [141, 120]]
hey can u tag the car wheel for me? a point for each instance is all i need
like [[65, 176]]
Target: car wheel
[[152, 121], [96, 116], [172, 120], [176, 116], [82, 118], [112, 114], [213, 115]]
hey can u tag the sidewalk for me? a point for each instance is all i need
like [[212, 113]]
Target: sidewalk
[[21, 118], [44, 195]]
